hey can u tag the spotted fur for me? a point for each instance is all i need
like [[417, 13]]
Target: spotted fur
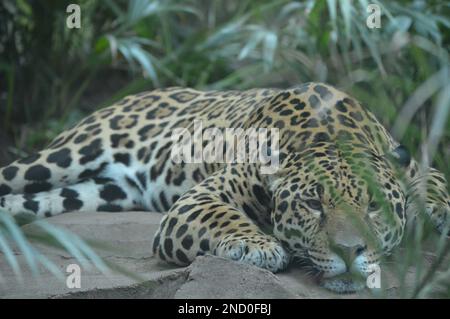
[[343, 179]]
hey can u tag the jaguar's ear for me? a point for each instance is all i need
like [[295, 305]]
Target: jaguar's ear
[[401, 156]]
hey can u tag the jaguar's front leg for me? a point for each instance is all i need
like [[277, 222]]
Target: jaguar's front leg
[[215, 217]]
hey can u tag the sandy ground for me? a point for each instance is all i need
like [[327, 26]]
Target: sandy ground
[[129, 236]]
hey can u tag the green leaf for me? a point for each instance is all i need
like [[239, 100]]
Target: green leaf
[[270, 46], [9, 255], [9, 227], [347, 11]]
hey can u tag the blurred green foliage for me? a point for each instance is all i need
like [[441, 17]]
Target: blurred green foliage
[[51, 76]]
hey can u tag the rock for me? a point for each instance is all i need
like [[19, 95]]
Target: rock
[[214, 277], [129, 238], [208, 277], [127, 234]]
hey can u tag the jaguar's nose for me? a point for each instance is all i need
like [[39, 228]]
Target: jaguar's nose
[[348, 252]]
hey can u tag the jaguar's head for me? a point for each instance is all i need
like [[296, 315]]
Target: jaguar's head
[[339, 209]]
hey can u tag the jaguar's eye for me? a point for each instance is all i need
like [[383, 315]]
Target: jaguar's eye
[[314, 204], [374, 206]]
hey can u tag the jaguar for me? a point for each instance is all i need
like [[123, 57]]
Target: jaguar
[[338, 201]]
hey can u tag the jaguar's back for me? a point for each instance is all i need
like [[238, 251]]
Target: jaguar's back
[[121, 154]]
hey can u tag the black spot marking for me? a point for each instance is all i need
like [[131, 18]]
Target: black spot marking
[[204, 245], [143, 154], [182, 257], [344, 136], [296, 121], [69, 193], [181, 230], [170, 226], [142, 179], [184, 96], [112, 192], [176, 181], [109, 208], [92, 172], [314, 101], [298, 105], [305, 114], [198, 176], [250, 212], [156, 242], [144, 130], [312, 122], [286, 112], [399, 210], [123, 158], [279, 124], [224, 198], [10, 172], [114, 122], [201, 232], [349, 102], [117, 138], [163, 199], [321, 137], [213, 225], [206, 217], [132, 183], [30, 159], [37, 187], [61, 141], [185, 208], [72, 204], [61, 158], [324, 93], [32, 205], [346, 121], [187, 242], [225, 224], [261, 195], [129, 144], [168, 247], [91, 152], [356, 116], [92, 127], [340, 106], [80, 138], [193, 215], [37, 173], [5, 190], [160, 254], [89, 120], [284, 194], [283, 206]]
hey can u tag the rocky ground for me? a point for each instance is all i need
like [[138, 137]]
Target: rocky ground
[[128, 237]]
